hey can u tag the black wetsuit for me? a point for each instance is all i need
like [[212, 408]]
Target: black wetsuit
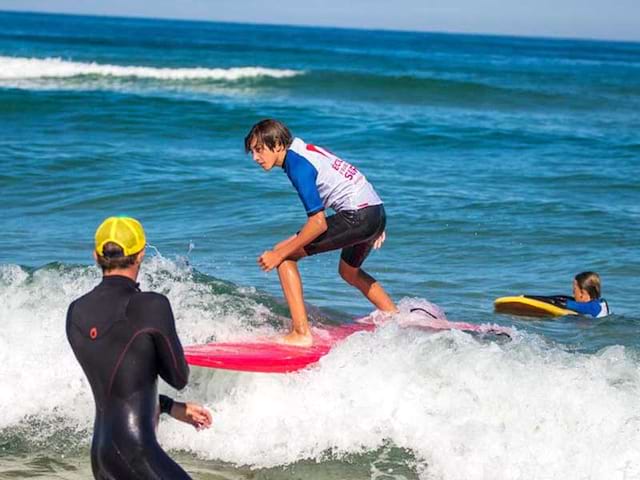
[[124, 339], [354, 231]]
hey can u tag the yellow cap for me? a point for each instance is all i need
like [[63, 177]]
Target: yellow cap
[[126, 232]]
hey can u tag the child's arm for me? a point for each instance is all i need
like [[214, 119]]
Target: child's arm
[[585, 308], [316, 225]]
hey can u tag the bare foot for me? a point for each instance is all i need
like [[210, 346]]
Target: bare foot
[[381, 316], [297, 339]]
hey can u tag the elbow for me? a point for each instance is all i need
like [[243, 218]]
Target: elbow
[[316, 225], [321, 223], [182, 379], [180, 383]]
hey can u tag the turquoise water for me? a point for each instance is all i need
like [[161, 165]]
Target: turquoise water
[[506, 165]]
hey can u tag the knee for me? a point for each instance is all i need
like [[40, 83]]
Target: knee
[[349, 274], [288, 265], [284, 266]]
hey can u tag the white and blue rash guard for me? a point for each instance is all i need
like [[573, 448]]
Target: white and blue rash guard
[[323, 180], [596, 308]]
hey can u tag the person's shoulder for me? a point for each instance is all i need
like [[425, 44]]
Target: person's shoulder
[[149, 308], [604, 308], [297, 150], [595, 306], [148, 302], [70, 309], [150, 299], [299, 161], [298, 146], [81, 300]]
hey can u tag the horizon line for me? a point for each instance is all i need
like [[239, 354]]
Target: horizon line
[[291, 25]]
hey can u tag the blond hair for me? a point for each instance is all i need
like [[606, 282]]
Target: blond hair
[[590, 283]]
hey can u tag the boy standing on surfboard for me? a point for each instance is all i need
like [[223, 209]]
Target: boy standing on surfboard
[[322, 180]]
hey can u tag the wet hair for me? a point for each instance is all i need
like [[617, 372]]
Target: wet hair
[[589, 282], [270, 133], [113, 258]]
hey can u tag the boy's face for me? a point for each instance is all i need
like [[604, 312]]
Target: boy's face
[[579, 294], [265, 157]]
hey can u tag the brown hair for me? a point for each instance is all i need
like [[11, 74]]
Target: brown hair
[[270, 133], [590, 282], [113, 258]]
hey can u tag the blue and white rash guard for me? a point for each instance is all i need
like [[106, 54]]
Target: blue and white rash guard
[[596, 308], [323, 180]]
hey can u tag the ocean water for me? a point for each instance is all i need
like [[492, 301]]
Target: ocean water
[[507, 165]]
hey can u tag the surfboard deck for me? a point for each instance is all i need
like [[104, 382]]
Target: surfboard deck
[[533, 306], [267, 356]]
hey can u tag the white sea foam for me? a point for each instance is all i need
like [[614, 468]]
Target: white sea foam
[[467, 409], [38, 372], [21, 68]]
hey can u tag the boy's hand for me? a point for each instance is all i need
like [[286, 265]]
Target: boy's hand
[[192, 413], [269, 260], [379, 241]]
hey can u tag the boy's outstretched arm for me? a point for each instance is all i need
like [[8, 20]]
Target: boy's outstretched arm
[[316, 225]]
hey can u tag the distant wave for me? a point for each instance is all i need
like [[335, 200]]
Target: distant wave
[[407, 88], [16, 68]]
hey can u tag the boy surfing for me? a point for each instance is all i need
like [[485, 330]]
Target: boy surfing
[[322, 181]]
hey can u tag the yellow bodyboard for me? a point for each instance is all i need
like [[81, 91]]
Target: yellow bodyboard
[[529, 307]]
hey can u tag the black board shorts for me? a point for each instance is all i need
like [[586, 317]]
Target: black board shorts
[[353, 231]]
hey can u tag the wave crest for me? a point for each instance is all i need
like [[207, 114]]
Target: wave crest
[[17, 68]]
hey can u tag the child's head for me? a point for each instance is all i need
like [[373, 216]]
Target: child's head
[[268, 133], [586, 286]]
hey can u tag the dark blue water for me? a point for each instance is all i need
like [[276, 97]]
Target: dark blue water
[[507, 165]]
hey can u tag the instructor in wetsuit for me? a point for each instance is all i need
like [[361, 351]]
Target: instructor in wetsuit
[[123, 339]]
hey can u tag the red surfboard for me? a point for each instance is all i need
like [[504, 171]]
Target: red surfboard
[[268, 356]]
